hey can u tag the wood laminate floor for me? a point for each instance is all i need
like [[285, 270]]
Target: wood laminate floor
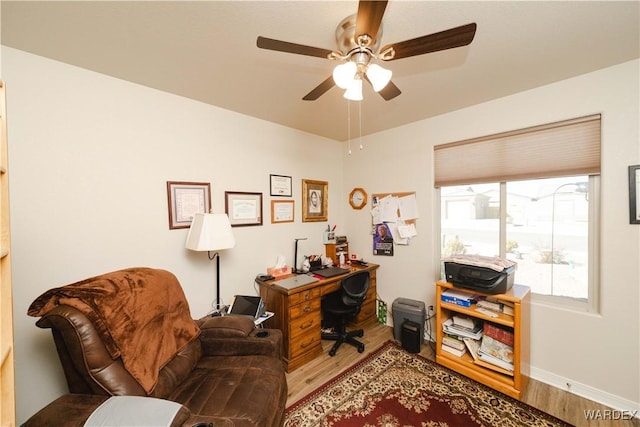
[[559, 403]]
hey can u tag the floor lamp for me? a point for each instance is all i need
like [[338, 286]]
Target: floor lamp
[[211, 232]]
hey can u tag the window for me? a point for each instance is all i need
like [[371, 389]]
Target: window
[[544, 225], [530, 195]]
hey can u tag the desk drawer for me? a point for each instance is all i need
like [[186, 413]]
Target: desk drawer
[[367, 312], [371, 295], [299, 310], [304, 343], [304, 296], [305, 325]]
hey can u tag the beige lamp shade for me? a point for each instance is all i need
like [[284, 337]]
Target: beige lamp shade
[[210, 232]]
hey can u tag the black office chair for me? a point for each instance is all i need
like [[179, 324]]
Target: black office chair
[[344, 305]]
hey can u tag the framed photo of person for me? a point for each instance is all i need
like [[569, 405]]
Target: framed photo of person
[[315, 195]]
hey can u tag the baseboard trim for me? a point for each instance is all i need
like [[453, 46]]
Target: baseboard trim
[[586, 391]]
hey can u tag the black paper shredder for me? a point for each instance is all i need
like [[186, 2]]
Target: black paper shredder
[[411, 336], [408, 310]]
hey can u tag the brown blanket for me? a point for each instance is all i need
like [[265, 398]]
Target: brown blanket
[[141, 314]]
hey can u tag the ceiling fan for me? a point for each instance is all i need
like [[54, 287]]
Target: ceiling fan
[[358, 37]]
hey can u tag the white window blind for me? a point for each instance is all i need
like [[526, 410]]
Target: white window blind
[[570, 147]]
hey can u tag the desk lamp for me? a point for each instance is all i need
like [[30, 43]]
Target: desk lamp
[[211, 232]]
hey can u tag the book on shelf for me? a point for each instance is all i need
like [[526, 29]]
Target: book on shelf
[[453, 341], [450, 329], [496, 305], [473, 346], [496, 353], [504, 334], [463, 299], [454, 351]]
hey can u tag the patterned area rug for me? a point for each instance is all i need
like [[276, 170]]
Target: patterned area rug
[[392, 387]]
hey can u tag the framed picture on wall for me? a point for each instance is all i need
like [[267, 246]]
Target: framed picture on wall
[[243, 208], [634, 194], [282, 211], [185, 200], [315, 195], [280, 185]]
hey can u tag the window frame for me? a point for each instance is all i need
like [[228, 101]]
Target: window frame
[[592, 303]]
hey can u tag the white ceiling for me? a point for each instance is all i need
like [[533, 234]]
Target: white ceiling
[[206, 50]]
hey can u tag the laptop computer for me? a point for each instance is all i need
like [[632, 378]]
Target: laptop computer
[[331, 271], [244, 305], [295, 281]]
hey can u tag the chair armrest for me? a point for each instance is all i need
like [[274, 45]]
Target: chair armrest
[[226, 326], [238, 336]]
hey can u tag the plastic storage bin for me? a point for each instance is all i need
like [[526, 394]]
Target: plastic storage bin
[[407, 309]]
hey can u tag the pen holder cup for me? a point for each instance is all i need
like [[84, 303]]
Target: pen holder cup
[[315, 265], [329, 237]]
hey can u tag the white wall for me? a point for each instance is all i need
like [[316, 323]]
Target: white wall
[[90, 156], [598, 354]]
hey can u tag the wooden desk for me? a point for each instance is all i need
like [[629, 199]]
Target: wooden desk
[[298, 315]]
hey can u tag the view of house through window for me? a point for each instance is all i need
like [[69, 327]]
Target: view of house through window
[[546, 223]]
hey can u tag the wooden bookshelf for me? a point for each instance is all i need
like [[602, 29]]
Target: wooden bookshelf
[[509, 383]]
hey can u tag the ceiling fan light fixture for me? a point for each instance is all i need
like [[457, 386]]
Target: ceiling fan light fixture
[[344, 74], [354, 91], [378, 76]]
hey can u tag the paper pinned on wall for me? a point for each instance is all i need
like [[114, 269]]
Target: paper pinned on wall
[[389, 206], [407, 231], [397, 238], [408, 207], [376, 215]]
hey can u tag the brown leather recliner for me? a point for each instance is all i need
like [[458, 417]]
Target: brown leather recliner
[[230, 375]]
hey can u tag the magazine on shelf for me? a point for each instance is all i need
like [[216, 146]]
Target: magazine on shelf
[[496, 352], [449, 328], [495, 305], [466, 322], [473, 346], [496, 361]]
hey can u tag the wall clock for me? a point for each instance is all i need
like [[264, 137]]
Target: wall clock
[[358, 198]]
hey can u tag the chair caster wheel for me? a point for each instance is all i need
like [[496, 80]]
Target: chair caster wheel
[[332, 353], [360, 349], [361, 334]]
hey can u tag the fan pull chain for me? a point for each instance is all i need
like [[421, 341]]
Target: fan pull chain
[[360, 121], [349, 124]]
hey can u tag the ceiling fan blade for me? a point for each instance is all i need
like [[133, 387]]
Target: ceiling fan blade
[[369, 18], [448, 39], [300, 49], [319, 90], [390, 91]]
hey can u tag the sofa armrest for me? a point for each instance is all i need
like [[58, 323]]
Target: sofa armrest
[[238, 336]]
